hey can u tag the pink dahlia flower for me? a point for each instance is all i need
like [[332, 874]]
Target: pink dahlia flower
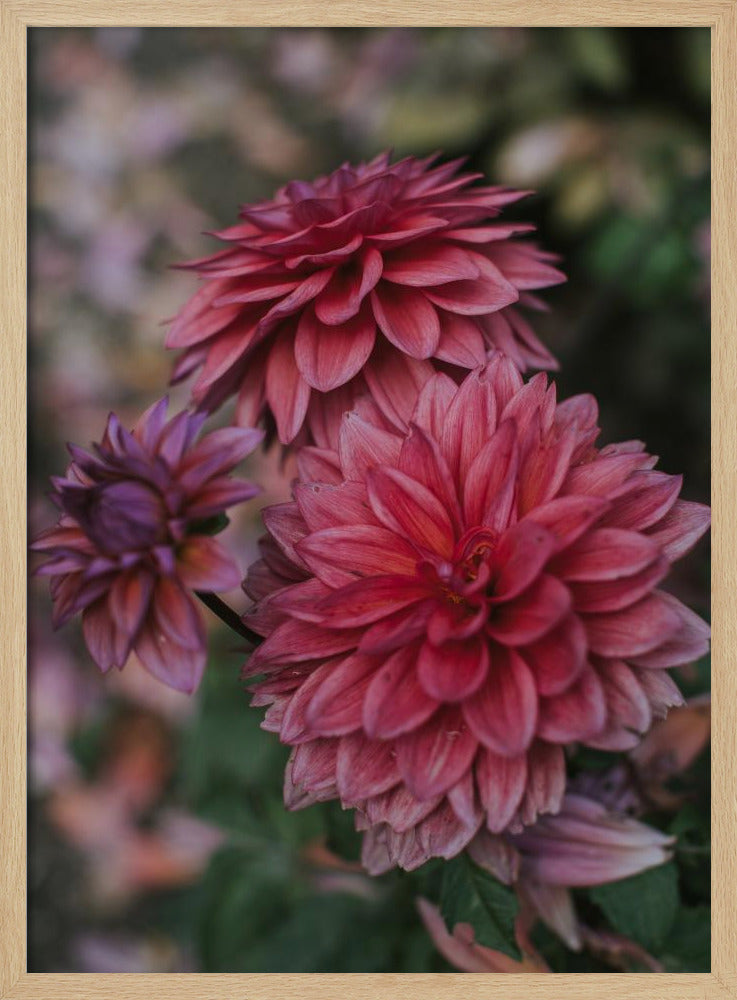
[[133, 541], [447, 607], [378, 266]]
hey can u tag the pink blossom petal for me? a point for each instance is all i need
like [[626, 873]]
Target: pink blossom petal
[[434, 757], [527, 618], [329, 356], [407, 319], [395, 702], [410, 509], [558, 658], [503, 713], [338, 555], [286, 391], [577, 713], [453, 671], [501, 782]]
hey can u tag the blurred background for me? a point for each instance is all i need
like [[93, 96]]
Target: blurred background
[[158, 840]]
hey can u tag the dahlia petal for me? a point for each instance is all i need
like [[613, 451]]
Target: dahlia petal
[[297, 641], [99, 630], [433, 264], [558, 658], [287, 527], [176, 616], [363, 548], [301, 599], [489, 489], [660, 689], [395, 703], [453, 671], [362, 445], [326, 506], [462, 799], [336, 707], [129, 600], [681, 528], [543, 471], [329, 356], [461, 342], [217, 453], [262, 288], [218, 495], [318, 465], [689, 642], [528, 617], [408, 229], [433, 401], [198, 320], [569, 517], [410, 509], [350, 285], [521, 555], [443, 834], [397, 629], [628, 709], [614, 595], [525, 265], [203, 564], [577, 713], [546, 781], [435, 756], [366, 601], [407, 319], [420, 458], [313, 767], [394, 382], [643, 500], [173, 665], [489, 234], [635, 630], [469, 422], [150, 424], [604, 474], [494, 854], [296, 300], [501, 782], [554, 905], [399, 809], [364, 768], [503, 713], [286, 391], [605, 554], [295, 724], [487, 293]]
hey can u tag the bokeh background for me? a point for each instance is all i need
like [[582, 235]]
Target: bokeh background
[[158, 841]]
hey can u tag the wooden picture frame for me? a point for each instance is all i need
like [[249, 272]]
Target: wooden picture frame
[[16, 16]]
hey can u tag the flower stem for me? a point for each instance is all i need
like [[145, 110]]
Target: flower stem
[[229, 617]]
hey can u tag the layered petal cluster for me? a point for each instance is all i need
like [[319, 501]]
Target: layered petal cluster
[[584, 844], [446, 607], [368, 275], [134, 539]]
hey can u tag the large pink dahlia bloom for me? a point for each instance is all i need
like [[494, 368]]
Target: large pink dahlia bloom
[[327, 290], [447, 607], [134, 540]]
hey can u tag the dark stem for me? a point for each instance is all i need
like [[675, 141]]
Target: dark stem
[[228, 616]]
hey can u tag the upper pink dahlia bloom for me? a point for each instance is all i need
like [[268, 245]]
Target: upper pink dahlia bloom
[[338, 284], [133, 540], [448, 606]]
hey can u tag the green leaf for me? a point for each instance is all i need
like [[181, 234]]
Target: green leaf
[[688, 947], [642, 907], [473, 896]]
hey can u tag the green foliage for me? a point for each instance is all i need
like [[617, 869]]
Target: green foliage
[[473, 896], [688, 946], [642, 907]]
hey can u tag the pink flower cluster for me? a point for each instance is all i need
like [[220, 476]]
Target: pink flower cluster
[[464, 584]]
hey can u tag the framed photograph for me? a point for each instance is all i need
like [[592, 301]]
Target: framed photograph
[[366, 399]]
